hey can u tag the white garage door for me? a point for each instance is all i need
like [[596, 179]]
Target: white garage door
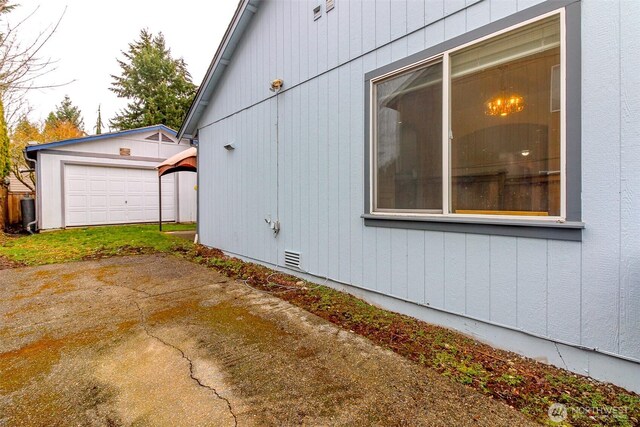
[[97, 195]]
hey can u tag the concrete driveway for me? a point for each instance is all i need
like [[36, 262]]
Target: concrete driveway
[[158, 341]]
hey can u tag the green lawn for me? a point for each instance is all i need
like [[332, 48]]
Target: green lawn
[[82, 243]]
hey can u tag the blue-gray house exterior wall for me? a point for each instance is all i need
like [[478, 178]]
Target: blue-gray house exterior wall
[[300, 159]]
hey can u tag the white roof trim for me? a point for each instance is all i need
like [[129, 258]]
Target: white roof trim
[[243, 15]]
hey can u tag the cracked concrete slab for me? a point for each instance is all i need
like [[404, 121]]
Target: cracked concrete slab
[[155, 364], [220, 413], [158, 341]]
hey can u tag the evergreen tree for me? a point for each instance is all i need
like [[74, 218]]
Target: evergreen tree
[[99, 124], [5, 7], [67, 112], [5, 160], [158, 87]]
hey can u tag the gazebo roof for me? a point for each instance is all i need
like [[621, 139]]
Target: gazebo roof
[[184, 161]]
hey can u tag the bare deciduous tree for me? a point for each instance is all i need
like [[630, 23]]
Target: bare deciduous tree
[[22, 65]]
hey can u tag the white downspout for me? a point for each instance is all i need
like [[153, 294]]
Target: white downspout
[[35, 210]]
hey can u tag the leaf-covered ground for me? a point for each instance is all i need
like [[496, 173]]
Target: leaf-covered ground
[[523, 383]]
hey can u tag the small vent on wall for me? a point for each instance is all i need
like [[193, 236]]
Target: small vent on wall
[[292, 259], [165, 138], [317, 13], [153, 137], [330, 5]]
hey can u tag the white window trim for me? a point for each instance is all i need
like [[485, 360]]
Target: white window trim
[[444, 57]]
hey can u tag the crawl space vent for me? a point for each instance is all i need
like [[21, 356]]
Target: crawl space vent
[[292, 259]]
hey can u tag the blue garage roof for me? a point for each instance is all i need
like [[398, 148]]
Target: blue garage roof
[[32, 149]]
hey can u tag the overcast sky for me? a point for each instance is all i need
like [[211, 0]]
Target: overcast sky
[[93, 33]]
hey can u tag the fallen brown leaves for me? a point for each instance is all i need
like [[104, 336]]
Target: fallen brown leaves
[[520, 382], [6, 263]]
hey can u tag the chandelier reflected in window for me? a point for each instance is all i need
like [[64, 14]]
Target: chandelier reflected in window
[[505, 102], [503, 105]]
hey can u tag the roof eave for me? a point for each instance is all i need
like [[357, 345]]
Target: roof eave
[[31, 150], [241, 19]]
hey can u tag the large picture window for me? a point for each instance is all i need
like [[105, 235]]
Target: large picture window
[[475, 131]]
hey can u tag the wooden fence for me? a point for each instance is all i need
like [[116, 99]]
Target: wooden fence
[[3, 207], [14, 213], [10, 211]]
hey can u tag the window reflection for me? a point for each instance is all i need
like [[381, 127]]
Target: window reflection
[[409, 140], [505, 158]]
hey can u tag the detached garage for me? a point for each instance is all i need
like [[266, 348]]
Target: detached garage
[[111, 179]]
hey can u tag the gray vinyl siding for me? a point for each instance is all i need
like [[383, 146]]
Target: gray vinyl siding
[[584, 293]]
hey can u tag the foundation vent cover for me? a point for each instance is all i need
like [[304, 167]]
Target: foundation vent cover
[[292, 259]]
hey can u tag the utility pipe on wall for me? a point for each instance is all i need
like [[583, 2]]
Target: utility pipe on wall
[[35, 216]]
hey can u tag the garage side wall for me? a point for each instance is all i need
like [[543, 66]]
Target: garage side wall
[[299, 158], [187, 196]]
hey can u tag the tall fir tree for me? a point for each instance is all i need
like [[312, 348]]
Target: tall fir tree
[[158, 87], [5, 159], [5, 7], [67, 112], [99, 124]]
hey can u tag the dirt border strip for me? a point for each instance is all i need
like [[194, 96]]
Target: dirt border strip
[[6, 263], [522, 383]]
